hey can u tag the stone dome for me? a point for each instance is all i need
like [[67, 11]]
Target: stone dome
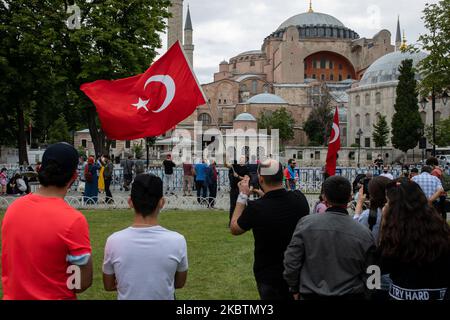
[[311, 18], [266, 98], [385, 69], [245, 117]]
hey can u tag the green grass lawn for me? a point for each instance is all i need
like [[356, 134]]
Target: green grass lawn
[[220, 265]]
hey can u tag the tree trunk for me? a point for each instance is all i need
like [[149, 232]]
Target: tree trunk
[[21, 138], [102, 145]]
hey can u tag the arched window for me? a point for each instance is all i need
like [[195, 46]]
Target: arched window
[[266, 88], [378, 98], [358, 101], [367, 99], [205, 118], [438, 116], [254, 86], [358, 121], [368, 124], [423, 116]]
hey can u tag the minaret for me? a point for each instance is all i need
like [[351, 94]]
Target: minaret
[[404, 45], [398, 37], [188, 41], [175, 23], [310, 7]]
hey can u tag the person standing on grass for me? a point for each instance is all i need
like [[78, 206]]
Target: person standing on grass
[[108, 176], [236, 174], [91, 177], [42, 236], [168, 165], [272, 218], [188, 178], [329, 253], [127, 165], [200, 177], [211, 181], [291, 176], [414, 245], [145, 261]]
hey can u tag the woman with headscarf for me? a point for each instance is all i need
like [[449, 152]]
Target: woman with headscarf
[[91, 177]]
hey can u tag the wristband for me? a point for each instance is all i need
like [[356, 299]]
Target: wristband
[[242, 199]]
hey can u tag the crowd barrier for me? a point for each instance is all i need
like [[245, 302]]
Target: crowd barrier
[[222, 202]]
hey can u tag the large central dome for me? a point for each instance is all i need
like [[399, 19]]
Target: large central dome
[[311, 18]]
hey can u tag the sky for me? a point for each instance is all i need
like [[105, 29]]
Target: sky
[[225, 28]]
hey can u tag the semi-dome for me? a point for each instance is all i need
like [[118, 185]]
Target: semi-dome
[[386, 68], [245, 117], [311, 18], [266, 98]]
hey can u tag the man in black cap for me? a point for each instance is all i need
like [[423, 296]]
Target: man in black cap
[[46, 251]]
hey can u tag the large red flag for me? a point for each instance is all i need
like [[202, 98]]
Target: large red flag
[[150, 104], [334, 146]]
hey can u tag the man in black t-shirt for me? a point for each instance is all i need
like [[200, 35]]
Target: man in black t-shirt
[[168, 165], [236, 174], [273, 219]]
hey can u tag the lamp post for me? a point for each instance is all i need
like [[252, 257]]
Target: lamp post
[[359, 134], [424, 102]]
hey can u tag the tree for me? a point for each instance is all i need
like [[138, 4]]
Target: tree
[[280, 119], [406, 123], [318, 125], [435, 68], [137, 150], [117, 39], [442, 133], [381, 133], [43, 62], [28, 32], [59, 131]]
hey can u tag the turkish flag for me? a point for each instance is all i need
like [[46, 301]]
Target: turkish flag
[[334, 145], [149, 104]]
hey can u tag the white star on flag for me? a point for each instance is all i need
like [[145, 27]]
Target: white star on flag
[[142, 104]]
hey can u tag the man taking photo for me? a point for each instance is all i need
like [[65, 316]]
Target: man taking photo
[[272, 218]]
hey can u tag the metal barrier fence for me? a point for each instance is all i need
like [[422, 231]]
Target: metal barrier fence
[[310, 179], [120, 202]]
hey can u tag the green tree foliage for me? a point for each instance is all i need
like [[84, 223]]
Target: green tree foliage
[[117, 39], [281, 120], [435, 68], [406, 123], [43, 63], [320, 120], [28, 34], [59, 131], [137, 150], [381, 132], [442, 133]]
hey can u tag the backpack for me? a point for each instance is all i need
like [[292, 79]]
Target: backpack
[[445, 179], [88, 174]]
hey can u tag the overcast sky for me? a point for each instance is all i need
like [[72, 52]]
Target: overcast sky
[[225, 28]]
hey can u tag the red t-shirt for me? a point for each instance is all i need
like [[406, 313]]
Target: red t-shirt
[[38, 234]]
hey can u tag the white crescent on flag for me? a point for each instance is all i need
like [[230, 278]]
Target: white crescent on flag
[[336, 132], [168, 82]]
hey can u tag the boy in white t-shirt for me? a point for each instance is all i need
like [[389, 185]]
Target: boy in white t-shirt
[[145, 261]]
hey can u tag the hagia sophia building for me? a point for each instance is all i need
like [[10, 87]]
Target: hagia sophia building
[[307, 52]]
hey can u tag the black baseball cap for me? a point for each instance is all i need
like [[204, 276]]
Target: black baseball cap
[[63, 154]]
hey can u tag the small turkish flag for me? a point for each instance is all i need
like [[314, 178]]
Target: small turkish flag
[[334, 146], [150, 104]]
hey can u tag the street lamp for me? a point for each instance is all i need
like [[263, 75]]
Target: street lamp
[[424, 102], [359, 134]]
